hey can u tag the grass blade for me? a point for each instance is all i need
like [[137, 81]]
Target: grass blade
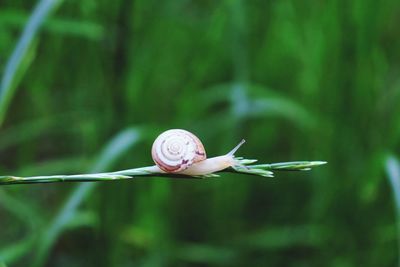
[[7, 85], [393, 174]]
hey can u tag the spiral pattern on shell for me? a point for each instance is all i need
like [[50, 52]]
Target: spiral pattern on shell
[[175, 150]]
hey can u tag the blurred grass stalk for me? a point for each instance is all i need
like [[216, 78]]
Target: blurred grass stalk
[[47, 236], [116, 147], [20, 59], [393, 174]]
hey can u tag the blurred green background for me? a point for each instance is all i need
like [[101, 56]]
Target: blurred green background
[[87, 86]]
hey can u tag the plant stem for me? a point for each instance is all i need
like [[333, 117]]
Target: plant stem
[[264, 170]]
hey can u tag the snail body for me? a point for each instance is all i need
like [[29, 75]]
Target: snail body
[[181, 152]]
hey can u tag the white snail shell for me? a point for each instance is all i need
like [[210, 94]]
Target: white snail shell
[[176, 150]]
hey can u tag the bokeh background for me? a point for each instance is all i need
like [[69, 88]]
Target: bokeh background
[[87, 86]]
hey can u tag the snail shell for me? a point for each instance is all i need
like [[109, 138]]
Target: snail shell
[[175, 150]]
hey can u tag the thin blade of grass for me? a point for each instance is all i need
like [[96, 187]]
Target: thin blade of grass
[[7, 85], [393, 174], [119, 145]]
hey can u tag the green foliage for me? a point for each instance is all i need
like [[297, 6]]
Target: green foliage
[[296, 79]]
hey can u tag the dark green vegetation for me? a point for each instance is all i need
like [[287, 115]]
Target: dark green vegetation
[[299, 80]]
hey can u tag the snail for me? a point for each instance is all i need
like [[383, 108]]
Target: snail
[[181, 152]]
